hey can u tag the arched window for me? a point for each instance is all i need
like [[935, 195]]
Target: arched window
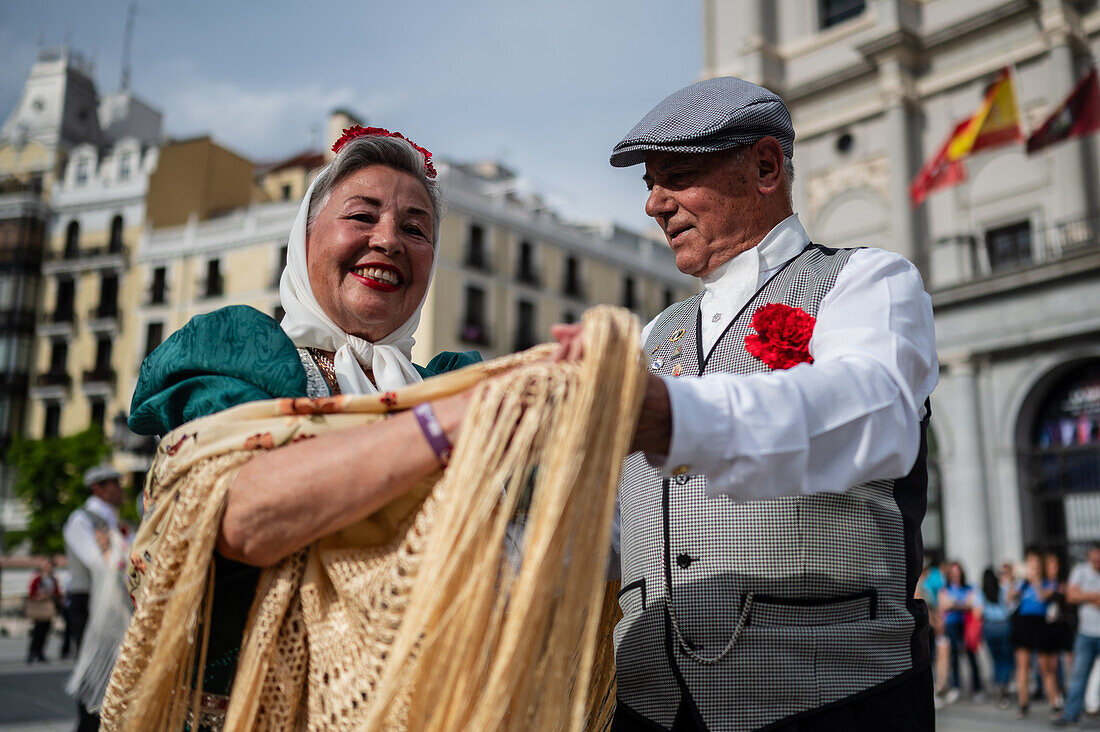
[[115, 244], [1060, 461], [72, 240]]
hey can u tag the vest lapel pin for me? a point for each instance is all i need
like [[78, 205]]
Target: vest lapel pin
[[655, 349], [657, 364], [677, 352], [676, 336], [677, 370]]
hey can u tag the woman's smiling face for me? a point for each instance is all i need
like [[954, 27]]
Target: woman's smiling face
[[369, 252]]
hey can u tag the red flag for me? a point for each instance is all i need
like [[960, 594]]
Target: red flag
[[940, 171], [1078, 115]]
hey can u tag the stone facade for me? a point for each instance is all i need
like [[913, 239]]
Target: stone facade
[[1011, 256]]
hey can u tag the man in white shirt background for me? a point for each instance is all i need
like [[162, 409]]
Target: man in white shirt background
[[1083, 589], [82, 547], [769, 526]]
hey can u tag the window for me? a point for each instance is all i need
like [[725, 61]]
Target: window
[[59, 354], [284, 191], [568, 316], [159, 288], [572, 281], [63, 309], [280, 265], [82, 171], [630, 296], [154, 334], [214, 285], [474, 328], [525, 325], [108, 296], [279, 313], [669, 298], [125, 165], [53, 420], [1009, 247], [99, 412], [103, 346], [476, 256], [115, 244], [831, 12], [72, 240], [525, 267]]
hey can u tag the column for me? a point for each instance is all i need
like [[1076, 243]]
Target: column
[[965, 508]]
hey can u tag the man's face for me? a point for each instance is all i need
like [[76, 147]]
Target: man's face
[[708, 206], [109, 491]]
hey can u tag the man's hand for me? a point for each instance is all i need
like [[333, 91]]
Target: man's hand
[[653, 433]]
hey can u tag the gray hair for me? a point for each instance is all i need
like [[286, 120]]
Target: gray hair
[[738, 158], [363, 152]]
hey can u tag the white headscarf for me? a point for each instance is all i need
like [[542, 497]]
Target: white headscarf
[[309, 327]]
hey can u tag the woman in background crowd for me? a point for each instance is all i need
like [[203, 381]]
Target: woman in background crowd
[[1061, 622], [1028, 630], [43, 595], [956, 600], [993, 603]]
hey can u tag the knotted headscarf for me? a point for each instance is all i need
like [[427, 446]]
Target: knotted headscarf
[[308, 326]]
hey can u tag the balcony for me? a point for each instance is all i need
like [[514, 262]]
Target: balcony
[[104, 318], [99, 376], [54, 378], [474, 334], [528, 276], [84, 258], [962, 267]]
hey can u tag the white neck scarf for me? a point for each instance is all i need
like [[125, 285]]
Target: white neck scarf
[[309, 327]]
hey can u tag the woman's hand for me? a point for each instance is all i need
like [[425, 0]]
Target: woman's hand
[[289, 497]]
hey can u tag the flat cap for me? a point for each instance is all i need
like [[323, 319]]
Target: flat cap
[[100, 474], [708, 116]]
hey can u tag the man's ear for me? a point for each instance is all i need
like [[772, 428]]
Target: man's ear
[[769, 165]]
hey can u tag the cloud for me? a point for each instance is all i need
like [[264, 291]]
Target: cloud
[[262, 123]]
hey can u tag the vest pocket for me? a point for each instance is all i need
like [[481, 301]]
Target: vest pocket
[[632, 598], [774, 610]]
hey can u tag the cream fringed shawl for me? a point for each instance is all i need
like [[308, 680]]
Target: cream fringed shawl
[[414, 618]]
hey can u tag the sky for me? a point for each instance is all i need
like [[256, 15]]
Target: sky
[[547, 88]]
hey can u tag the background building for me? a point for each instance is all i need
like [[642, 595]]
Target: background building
[[1010, 256]]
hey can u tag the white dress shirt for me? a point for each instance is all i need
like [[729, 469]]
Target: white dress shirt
[[850, 417], [81, 544]]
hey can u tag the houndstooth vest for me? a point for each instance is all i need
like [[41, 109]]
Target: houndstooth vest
[[755, 613]]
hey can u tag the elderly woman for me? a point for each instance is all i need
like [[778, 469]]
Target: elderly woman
[[361, 256]]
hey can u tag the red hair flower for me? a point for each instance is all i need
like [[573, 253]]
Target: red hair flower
[[350, 133], [782, 337]]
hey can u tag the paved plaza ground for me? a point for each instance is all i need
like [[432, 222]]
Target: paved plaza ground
[[33, 699]]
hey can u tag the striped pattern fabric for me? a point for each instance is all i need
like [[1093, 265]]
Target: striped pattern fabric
[[708, 116], [818, 581]]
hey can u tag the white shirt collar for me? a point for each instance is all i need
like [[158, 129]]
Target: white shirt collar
[[784, 242], [104, 510]]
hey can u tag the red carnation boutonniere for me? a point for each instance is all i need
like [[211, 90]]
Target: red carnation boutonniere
[[782, 337]]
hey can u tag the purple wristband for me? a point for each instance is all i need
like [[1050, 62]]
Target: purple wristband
[[433, 432]]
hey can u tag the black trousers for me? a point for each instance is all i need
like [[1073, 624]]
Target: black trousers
[[40, 631], [904, 707], [76, 617]]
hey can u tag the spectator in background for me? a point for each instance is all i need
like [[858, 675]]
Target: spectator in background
[[993, 605], [928, 587], [1061, 621], [956, 600], [99, 514], [1083, 589], [1028, 630], [43, 595]]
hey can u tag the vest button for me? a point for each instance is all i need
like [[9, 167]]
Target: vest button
[[684, 560]]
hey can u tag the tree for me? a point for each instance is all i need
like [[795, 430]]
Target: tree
[[50, 481]]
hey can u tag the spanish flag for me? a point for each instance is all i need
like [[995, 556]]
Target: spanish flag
[[940, 171], [997, 121]]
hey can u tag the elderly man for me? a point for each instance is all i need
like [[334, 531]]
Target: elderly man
[[769, 527]]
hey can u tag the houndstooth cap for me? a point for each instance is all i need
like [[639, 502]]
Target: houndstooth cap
[[708, 116]]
